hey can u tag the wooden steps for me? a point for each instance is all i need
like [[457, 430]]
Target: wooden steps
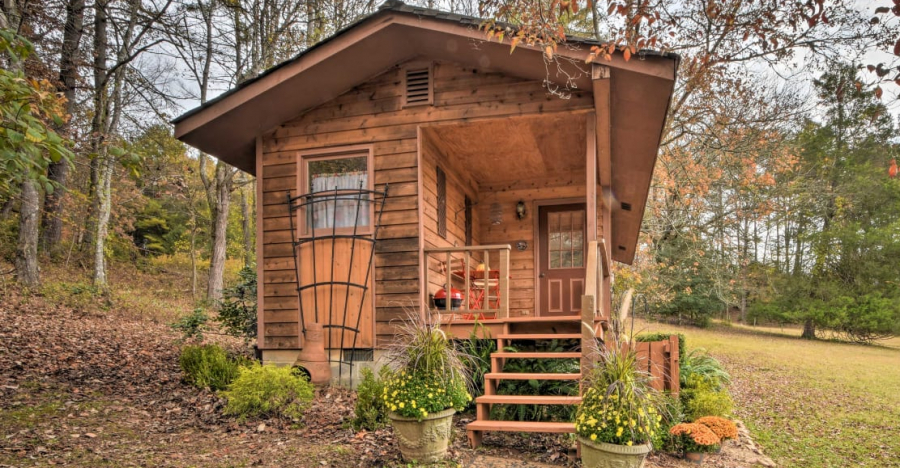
[[567, 325], [522, 426], [539, 336], [527, 355], [529, 376], [529, 399]]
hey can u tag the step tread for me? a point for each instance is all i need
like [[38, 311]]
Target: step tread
[[548, 355], [539, 336], [529, 399], [521, 426], [530, 376]]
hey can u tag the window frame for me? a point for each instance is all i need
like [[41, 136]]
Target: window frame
[[303, 188], [549, 253]]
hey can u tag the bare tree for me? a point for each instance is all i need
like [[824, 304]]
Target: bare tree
[[68, 80], [131, 31]]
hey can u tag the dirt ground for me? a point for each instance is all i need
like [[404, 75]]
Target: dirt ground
[[93, 390]]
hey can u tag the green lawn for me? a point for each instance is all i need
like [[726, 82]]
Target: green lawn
[[810, 403]]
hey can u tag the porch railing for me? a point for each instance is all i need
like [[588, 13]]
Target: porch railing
[[479, 272]]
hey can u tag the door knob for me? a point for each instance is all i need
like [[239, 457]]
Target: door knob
[[541, 275]]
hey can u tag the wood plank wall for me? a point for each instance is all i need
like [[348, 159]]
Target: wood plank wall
[[372, 114]]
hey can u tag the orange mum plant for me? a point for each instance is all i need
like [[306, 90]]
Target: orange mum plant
[[693, 437], [723, 428]]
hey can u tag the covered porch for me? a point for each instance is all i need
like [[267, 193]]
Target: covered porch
[[509, 211]]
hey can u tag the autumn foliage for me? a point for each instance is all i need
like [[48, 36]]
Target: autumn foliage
[[723, 428], [694, 437]]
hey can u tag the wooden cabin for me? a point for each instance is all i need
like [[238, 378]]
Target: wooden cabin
[[512, 178]]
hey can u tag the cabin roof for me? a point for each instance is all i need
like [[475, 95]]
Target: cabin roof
[[227, 127]]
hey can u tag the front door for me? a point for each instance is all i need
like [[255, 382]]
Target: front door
[[560, 263]]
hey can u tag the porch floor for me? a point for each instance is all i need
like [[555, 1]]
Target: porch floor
[[566, 326]]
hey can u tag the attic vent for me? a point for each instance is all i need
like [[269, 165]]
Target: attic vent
[[417, 86]]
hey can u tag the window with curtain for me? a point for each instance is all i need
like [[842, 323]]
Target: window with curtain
[[335, 179]]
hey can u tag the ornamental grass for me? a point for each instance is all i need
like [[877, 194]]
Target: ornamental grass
[[694, 437], [723, 428], [428, 373], [618, 405]]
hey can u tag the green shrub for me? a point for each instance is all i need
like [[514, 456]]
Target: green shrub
[[699, 367], [208, 366], [192, 325], [268, 391], [706, 402], [237, 309], [370, 411], [672, 413], [477, 356]]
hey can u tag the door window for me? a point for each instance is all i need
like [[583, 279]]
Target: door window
[[566, 236]]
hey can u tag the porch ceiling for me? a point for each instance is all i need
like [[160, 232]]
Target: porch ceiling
[[513, 150]]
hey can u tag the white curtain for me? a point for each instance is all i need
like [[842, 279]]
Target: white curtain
[[343, 210]]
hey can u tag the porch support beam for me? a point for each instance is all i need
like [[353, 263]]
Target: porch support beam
[[601, 82], [603, 107], [591, 178]]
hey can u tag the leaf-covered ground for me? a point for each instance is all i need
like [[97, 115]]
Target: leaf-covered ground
[[97, 389]]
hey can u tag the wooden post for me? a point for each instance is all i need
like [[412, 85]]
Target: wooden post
[[448, 286], [503, 284], [467, 272], [587, 335], [486, 282], [674, 366], [425, 282]]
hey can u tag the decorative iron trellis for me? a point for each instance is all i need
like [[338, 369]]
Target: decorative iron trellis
[[305, 204]]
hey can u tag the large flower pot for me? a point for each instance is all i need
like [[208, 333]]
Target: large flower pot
[[423, 441], [695, 457], [603, 455]]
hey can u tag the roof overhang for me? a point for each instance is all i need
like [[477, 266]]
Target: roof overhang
[[227, 127]]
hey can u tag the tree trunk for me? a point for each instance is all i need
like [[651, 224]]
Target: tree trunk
[[809, 330], [68, 78], [98, 122], [26, 261], [104, 197], [26, 249], [193, 255], [95, 234], [218, 192], [245, 225]]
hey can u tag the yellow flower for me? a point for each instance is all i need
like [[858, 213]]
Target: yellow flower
[[628, 443], [393, 408], [402, 405], [593, 436]]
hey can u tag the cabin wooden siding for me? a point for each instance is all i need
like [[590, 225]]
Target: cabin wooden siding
[[372, 114]]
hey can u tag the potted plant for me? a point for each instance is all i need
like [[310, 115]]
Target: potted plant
[[695, 440], [723, 428], [618, 414], [426, 386]]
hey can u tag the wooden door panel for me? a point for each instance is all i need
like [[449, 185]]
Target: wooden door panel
[[560, 262]]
